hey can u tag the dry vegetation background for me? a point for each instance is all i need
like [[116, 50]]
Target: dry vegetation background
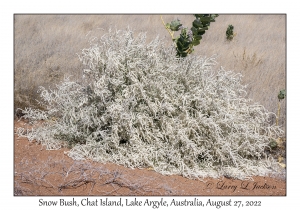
[[45, 48]]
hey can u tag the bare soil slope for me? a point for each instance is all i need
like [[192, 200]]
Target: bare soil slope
[[38, 171]]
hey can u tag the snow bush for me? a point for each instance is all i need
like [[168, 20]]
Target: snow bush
[[143, 107]]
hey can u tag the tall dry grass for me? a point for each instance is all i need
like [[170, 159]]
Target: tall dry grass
[[45, 48]]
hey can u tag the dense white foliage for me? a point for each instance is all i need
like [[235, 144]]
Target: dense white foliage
[[144, 107]]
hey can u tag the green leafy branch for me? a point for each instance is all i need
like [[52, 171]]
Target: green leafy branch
[[189, 37]]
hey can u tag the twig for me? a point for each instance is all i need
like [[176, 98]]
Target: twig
[[167, 28], [278, 113]]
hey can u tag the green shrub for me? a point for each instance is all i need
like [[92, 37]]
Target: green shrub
[[229, 32], [145, 107]]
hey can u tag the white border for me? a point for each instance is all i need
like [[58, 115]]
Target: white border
[[153, 6]]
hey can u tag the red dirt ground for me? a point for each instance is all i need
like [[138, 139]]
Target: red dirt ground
[[38, 171]]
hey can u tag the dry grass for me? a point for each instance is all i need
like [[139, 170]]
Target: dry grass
[[258, 51], [46, 47]]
